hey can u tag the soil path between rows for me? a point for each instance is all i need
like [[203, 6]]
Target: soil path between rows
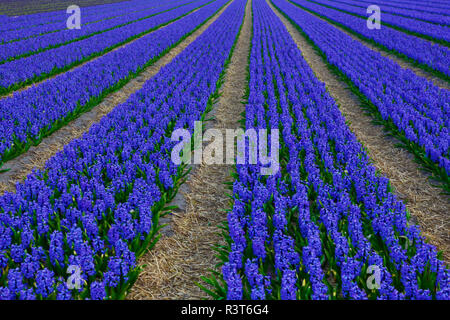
[[36, 157], [185, 253], [428, 207]]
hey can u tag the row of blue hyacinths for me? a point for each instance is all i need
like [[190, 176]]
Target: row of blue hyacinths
[[430, 56], [96, 204], [15, 28]]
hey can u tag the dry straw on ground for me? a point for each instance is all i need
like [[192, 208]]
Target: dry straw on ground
[[428, 207]]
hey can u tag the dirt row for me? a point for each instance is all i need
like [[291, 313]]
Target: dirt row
[[37, 156], [428, 207]]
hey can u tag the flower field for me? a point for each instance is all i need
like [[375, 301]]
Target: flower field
[[94, 206]]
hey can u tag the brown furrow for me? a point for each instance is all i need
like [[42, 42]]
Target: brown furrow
[[428, 207]]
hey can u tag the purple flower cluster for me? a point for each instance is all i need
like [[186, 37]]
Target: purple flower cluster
[[25, 70], [434, 55], [440, 32], [417, 108], [29, 114], [47, 41], [347, 219], [95, 204]]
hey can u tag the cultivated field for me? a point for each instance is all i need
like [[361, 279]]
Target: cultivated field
[[225, 149]]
